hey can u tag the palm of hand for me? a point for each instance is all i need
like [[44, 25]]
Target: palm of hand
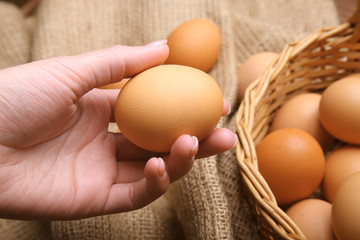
[[58, 173]]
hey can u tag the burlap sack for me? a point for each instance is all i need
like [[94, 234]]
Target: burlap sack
[[209, 203], [15, 39]]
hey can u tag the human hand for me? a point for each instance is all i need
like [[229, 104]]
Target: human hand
[[58, 160]]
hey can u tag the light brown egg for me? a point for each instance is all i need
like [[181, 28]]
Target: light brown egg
[[251, 69], [292, 163], [346, 209], [313, 217], [339, 109], [302, 112], [117, 85], [158, 105], [195, 43], [340, 163]]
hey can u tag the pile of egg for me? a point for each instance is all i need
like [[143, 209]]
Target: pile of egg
[[311, 156]]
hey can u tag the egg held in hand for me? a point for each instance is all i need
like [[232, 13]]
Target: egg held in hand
[[162, 103]]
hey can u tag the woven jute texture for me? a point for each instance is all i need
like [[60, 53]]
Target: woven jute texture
[[210, 202]]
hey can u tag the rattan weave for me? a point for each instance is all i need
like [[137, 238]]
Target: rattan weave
[[308, 65]]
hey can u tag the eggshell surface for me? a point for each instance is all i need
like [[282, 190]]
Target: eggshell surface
[[302, 112], [339, 109], [195, 43], [346, 209], [251, 69], [292, 163], [313, 217], [158, 105], [340, 164]]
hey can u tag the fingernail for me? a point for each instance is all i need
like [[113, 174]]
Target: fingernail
[[161, 167], [229, 111], [157, 43], [236, 140], [195, 146]]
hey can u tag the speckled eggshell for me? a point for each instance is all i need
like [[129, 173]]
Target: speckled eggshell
[[158, 105]]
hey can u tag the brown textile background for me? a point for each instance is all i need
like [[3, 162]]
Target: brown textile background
[[209, 203]]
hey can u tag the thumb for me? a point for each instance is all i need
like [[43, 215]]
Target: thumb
[[41, 94], [102, 67], [81, 73]]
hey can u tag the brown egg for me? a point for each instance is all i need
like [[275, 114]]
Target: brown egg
[[252, 68], [302, 112], [158, 105], [339, 109], [195, 43], [313, 217], [346, 209], [117, 85], [292, 163], [340, 163]]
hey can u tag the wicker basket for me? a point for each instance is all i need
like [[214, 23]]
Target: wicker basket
[[309, 65]]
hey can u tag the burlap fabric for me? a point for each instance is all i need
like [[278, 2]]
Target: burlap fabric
[[209, 203]]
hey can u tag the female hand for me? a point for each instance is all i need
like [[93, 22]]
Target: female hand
[[57, 159]]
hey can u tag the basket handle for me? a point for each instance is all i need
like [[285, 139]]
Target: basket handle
[[354, 20]]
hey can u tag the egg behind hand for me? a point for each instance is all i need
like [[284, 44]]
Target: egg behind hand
[[195, 43], [158, 105]]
